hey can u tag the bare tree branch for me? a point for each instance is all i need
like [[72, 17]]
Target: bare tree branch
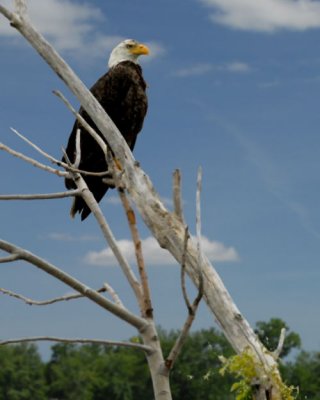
[[34, 146], [192, 309], [199, 234], [147, 304], [91, 294], [83, 122], [54, 160], [32, 161], [46, 302], [13, 257], [113, 295], [177, 347], [107, 233], [183, 269], [132, 345], [276, 353], [46, 196], [177, 199]]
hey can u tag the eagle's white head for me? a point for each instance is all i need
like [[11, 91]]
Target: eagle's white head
[[128, 50]]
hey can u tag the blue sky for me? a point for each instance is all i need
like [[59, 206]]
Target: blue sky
[[233, 86]]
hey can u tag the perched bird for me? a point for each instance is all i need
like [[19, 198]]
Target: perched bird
[[122, 93]]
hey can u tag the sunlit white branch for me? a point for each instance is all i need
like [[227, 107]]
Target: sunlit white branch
[[276, 353], [77, 160], [137, 346]]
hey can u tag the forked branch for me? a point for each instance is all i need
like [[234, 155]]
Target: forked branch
[[72, 282]]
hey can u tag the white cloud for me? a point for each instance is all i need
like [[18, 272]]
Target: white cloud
[[194, 70], [66, 237], [155, 255], [238, 66], [71, 27], [205, 68], [266, 15]]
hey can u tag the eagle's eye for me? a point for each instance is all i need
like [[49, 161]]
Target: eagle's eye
[[129, 45]]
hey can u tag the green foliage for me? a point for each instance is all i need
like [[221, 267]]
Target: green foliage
[[196, 372], [242, 366], [21, 373], [304, 373], [95, 372]]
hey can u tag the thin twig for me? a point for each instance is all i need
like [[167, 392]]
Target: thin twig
[[137, 346], [192, 309], [46, 302], [177, 200], [46, 196], [11, 258], [33, 145], [147, 304], [77, 160], [32, 161], [177, 347], [83, 122], [113, 294], [183, 269], [198, 230], [54, 160]]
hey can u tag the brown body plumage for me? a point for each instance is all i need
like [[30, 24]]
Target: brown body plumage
[[122, 93]]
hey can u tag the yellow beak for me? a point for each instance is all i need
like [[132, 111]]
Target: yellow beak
[[140, 49]]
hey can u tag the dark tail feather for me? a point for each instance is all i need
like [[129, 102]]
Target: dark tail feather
[[80, 206]]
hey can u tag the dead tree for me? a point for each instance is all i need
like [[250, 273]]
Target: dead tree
[[167, 227]]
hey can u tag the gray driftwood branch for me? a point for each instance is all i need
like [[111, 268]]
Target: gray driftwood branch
[[32, 302], [165, 226], [137, 346], [72, 282]]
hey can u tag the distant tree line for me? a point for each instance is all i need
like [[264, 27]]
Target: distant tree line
[[96, 372]]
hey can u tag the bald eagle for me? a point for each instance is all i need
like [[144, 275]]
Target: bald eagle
[[122, 93]]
